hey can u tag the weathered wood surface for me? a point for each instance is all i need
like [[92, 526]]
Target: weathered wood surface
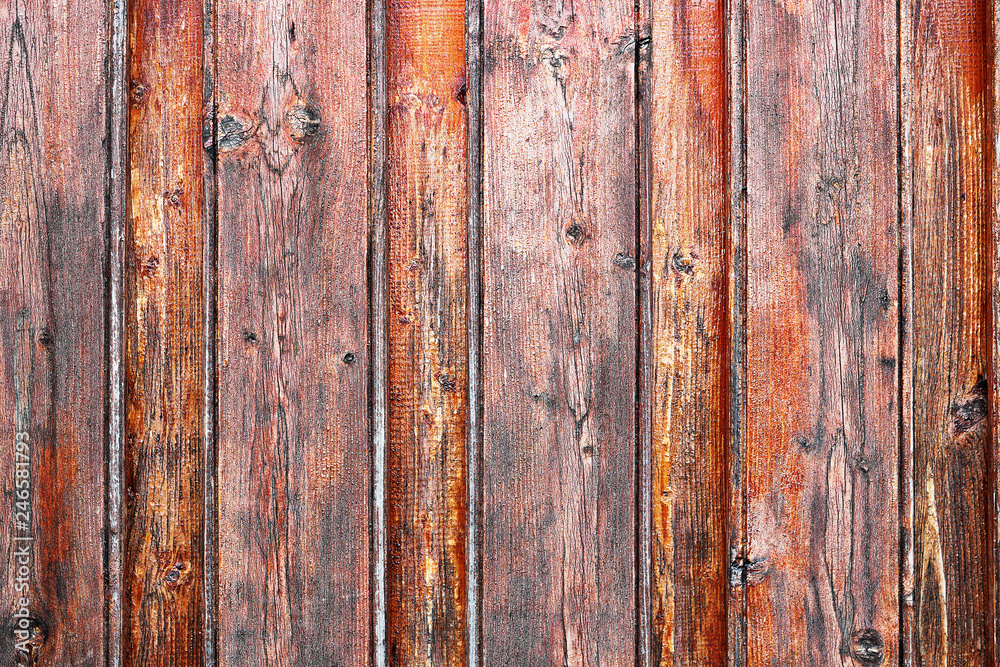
[[687, 358], [164, 376], [821, 559], [791, 407], [946, 129], [293, 384], [427, 380], [52, 329], [559, 331]]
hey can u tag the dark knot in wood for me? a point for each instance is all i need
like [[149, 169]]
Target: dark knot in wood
[[867, 646]]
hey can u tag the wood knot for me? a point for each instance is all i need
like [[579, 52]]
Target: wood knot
[[624, 261], [139, 92], [233, 132], [250, 337], [150, 265], [29, 632], [173, 198], [683, 262], [302, 121], [576, 233], [867, 646], [349, 358], [971, 412], [44, 338], [447, 382]]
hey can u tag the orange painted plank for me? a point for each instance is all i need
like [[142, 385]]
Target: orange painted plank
[[164, 376], [947, 58], [685, 133], [427, 381], [822, 411]]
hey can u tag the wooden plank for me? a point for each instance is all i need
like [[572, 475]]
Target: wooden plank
[[52, 327], [293, 349], [822, 334], [689, 393], [736, 263], [427, 383], [164, 337], [948, 48], [559, 333]]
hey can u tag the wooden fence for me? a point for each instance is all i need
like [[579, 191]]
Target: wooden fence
[[541, 333]]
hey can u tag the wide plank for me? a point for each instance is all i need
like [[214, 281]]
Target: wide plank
[[164, 329], [52, 331], [946, 114], [293, 349], [821, 561], [427, 381], [559, 333]]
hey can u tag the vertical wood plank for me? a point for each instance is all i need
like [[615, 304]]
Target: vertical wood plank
[[427, 384], [52, 327], [689, 331], [474, 333], [293, 426], [559, 333], [822, 334], [164, 337], [378, 325], [736, 462], [948, 44]]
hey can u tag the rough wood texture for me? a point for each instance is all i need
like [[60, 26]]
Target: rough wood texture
[[427, 383], [690, 318], [559, 333], [52, 392], [821, 567], [164, 330], [946, 121], [293, 450]]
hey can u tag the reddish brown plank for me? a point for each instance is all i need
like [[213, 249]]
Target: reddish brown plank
[[52, 328], [947, 46], [821, 568], [427, 383], [293, 454], [164, 331], [559, 333], [685, 131]]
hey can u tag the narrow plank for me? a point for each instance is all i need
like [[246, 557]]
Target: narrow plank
[[163, 337], [378, 326], [118, 198], [736, 263], [689, 321], [52, 327], [427, 384], [559, 333], [821, 569], [946, 122], [293, 427], [474, 333]]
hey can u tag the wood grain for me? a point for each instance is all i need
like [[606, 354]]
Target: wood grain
[[946, 121], [427, 383], [822, 334], [52, 330], [293, 426], [690, 317], [164, 337], [559, 333]]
